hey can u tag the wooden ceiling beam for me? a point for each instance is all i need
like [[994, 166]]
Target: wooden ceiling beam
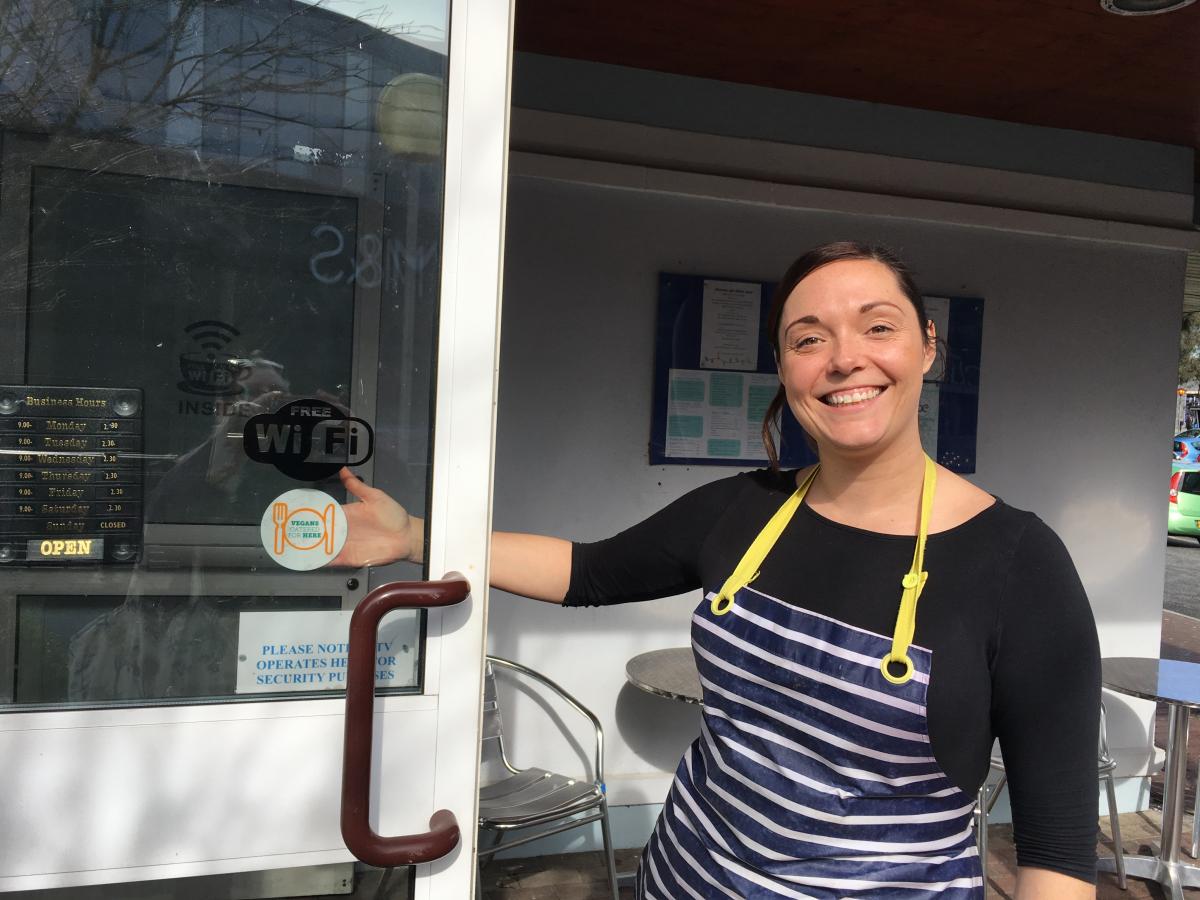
[[1059, 63]]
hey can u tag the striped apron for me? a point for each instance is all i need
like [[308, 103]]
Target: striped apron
[[812, 776]]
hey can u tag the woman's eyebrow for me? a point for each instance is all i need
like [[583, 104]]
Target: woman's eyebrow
[[803, 320], [862, 310]]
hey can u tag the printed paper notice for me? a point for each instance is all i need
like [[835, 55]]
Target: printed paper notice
[[307, 650], [729, 325], [717, 415]]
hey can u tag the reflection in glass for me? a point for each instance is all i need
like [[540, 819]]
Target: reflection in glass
[[225, 206]]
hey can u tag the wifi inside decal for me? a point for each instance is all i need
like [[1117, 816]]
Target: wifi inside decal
[[308, 440], [210, 363]]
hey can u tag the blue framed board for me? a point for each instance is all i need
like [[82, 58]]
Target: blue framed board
[[714, 375]]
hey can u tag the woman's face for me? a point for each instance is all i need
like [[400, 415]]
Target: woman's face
[[852, 357]]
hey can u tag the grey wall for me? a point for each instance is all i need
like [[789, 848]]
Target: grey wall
[[1076, 409], [703, 105]]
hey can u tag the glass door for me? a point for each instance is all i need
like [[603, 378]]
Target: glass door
[[244, 247]]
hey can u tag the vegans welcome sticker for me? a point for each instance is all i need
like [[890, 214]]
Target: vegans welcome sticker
[[303, 529]]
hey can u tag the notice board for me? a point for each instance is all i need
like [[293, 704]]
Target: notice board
[[714, 376]]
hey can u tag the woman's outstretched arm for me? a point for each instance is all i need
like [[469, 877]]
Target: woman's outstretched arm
[[531, 565], [381, 531]]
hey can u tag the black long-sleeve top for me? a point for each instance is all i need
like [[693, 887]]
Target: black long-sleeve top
[[1015, 652]]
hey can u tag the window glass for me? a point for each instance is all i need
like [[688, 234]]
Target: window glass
[[218, 221]]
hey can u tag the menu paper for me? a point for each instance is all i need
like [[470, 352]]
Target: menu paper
[[717, 415], [70, 474], [729, 325]]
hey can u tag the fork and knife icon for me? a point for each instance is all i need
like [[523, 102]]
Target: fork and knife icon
[[282, 516]]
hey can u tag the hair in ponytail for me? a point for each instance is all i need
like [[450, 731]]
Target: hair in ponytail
[[774, 410]]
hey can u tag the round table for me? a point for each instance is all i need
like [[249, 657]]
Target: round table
[[669, 673], [1177, 684]]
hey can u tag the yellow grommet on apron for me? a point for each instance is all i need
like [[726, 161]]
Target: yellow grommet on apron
[[912, 583], [901, 661], [722, 604]]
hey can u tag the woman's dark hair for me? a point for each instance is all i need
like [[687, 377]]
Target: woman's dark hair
[[837, 251]]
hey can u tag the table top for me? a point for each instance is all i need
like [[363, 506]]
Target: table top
[[669, 673], [1167, 680]]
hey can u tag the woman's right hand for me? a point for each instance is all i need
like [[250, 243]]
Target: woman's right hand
[[379, 530]]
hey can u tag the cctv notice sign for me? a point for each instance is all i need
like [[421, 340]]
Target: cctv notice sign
[[70, 474], [308, 650]]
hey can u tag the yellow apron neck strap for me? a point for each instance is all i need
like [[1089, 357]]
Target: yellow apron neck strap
[[913, 582], [747, 569]]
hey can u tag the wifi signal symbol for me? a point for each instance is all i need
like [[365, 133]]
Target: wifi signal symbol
[[212, 336]]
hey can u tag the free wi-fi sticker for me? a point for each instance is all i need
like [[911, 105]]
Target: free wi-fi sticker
[[308, 440], [303, 529]]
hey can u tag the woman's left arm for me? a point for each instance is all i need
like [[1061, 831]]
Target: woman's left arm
[[1046, 712], [1042, 884]]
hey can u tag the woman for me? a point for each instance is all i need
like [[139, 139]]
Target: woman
[[845, 736]]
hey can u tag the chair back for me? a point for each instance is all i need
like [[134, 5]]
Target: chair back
[[1105, 758], [493, 765]]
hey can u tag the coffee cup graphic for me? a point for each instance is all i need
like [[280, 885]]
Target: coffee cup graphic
[[209, 367], [214, 376]]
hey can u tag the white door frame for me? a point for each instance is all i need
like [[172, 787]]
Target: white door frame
[[84, 804], [465, 437]]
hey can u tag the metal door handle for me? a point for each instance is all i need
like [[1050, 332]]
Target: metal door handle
[[360, 838]]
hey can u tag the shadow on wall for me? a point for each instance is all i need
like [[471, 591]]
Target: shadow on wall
[[676, 725], [570, 726]]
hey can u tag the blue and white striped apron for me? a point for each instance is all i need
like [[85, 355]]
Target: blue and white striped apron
[[813, 776]]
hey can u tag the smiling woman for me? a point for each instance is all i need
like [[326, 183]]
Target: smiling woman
[[889, 308], [845, 736]]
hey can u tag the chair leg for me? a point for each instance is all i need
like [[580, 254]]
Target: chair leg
[[1195, 817], [609, 857], [981, 839], [1114, 822]]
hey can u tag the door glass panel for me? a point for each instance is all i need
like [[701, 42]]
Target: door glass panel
[[220, 233]]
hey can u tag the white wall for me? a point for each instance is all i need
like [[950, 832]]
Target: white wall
[[1074, 419]]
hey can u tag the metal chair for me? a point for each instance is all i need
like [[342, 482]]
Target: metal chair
[[1196, 820], [511, 799], [1106, 765]]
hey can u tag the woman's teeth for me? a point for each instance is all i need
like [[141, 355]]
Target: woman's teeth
[[846, 398]]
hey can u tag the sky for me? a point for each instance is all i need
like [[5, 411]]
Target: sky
[[423, 22]]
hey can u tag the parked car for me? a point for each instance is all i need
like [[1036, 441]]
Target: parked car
[[1183, 507], [1186, 447]]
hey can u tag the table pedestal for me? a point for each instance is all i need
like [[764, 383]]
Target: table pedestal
[[1166, 868]]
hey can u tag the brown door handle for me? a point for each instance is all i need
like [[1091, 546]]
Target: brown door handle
[[360, 838]]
